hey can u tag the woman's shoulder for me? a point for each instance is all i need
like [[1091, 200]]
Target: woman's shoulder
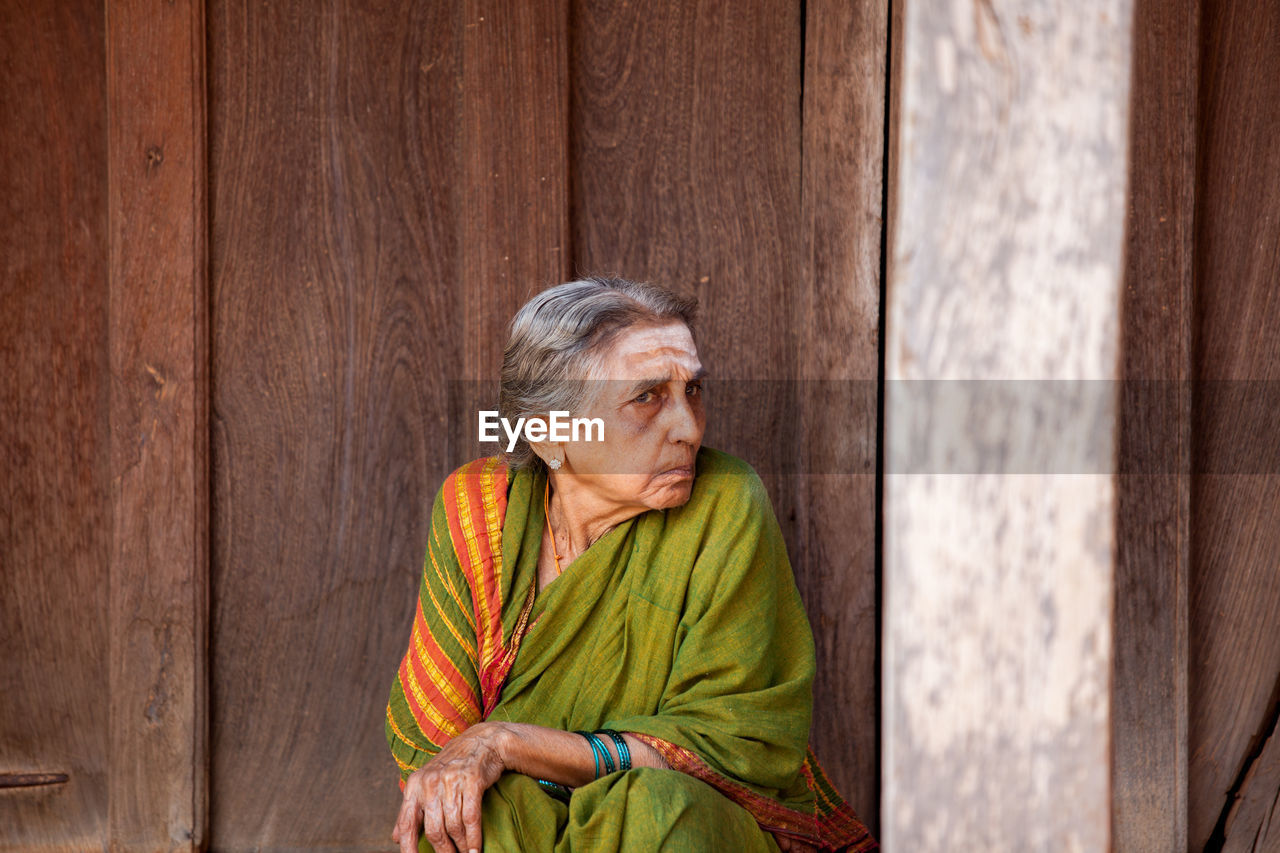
[[727, 469], [484, 466], [712, 461], [482, 479], [722, 478]]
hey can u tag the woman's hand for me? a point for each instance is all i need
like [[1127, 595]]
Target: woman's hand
[[442, 799]]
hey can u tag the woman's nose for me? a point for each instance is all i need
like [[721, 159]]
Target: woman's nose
[[687, 422]]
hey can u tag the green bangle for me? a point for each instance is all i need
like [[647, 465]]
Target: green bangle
[[624, 751]]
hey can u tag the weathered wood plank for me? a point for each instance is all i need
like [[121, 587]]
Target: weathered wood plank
[[838, 308], [366, 259], [513, 193], [1253, 824], [998, 567], [514, 222], [1235, 534], [158, 392], [1149, 723], [55, 520], [685, 147], [685, 143]]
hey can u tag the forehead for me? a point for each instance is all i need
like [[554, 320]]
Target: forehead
[[650, 351]]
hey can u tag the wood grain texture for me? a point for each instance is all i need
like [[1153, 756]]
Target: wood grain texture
[[513, 214], [55, 521], [685, 145], [685, 150], [513, 218], [1234, 597], [338, 322], [159, 425], [688, 165], [1149, 723], [1253, 824], [838, 309], [1009, 215]]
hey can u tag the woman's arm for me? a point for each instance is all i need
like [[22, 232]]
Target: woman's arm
[[444, 797], [564, 757]]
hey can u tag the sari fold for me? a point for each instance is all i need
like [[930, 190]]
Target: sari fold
[[682, 627]]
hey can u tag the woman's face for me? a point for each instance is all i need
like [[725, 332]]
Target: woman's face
[[647, 390]]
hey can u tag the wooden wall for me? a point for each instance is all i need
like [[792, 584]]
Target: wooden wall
[[387, 186], [1235, 499], [1197, 677], [55, 518], [1153, 486], [292, 236], [384, 185], [334, 325]]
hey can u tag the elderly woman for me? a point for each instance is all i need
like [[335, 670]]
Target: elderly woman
[[609, 652]]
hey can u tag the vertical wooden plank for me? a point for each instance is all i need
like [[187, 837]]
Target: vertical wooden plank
[[382, 204], [1235, 530], [513, 213], [54, 510], [158, 462], [1149, 723], [335, 304], [1250, 825], [685, 146], [838, 301], [1002, 354], [685, 149], [514, 225]]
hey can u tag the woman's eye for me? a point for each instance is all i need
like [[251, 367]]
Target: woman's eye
[[646, 397], [693, 389]]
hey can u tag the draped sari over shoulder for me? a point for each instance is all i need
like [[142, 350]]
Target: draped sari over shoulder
[[682, 627]]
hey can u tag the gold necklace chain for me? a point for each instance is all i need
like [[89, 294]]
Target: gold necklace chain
[[546, 511]]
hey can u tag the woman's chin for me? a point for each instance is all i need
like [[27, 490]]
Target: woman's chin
[[672, 494]]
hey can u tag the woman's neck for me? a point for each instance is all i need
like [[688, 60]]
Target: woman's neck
[[579, 516]]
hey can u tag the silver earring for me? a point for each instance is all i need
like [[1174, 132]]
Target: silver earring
[[554, 464]]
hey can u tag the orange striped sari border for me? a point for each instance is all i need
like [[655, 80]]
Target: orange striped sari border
[[440, 668], [416, 699], [473, 552], [488, 530], [402, 737]]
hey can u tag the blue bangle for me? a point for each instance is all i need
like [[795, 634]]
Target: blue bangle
[[605, 757], [556, 790], [595, 749], [624, 751]]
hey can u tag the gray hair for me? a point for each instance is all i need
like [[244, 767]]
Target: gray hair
[[557, 339]]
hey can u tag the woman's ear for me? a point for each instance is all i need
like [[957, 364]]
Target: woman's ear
[[536, 429]]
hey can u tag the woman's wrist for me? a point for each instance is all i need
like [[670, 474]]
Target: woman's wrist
[[542, 753], [503, 740]]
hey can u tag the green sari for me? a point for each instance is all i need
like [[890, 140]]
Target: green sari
[[682, 627]]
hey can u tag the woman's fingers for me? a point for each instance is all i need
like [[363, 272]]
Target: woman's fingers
[[443, 798], [452, 811], [471, 805], [407, 823], [462, 817], [435, 829]]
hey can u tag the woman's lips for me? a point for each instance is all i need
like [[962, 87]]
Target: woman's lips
[[681, 471]]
